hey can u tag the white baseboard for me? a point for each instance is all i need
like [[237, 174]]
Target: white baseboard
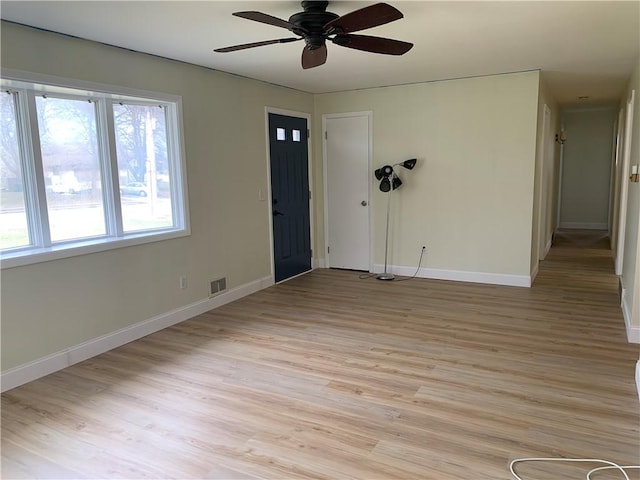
[[16, 376], [584, 226], [633, 331], [459, 275], [318, 263]]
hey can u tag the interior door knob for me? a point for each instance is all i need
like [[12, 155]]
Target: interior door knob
[[363, 203]]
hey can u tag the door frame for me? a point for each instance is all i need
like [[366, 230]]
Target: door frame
[[556, 227], [624, 186], [546, 160], [615, 191], [307, 117], [369, 115]]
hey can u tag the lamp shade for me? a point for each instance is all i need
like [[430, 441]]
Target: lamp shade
[[384, 171], [388, 178], [409, 164]]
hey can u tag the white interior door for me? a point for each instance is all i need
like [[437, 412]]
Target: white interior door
[[347, 171]]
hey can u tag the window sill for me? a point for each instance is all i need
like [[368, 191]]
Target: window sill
[[84, 247]]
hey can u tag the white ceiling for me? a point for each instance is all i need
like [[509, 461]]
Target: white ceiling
[[584, 48]]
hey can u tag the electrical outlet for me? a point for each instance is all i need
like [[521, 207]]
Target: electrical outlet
[[183, 282]]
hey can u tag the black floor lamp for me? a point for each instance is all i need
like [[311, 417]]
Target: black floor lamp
[[390, 181]]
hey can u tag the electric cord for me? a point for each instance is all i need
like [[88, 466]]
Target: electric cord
[[609, 465], [365, 276], [417, 269]]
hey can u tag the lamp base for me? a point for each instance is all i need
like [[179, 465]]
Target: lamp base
[[385, 276]]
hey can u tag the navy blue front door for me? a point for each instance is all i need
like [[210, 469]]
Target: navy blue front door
[[290, 195]]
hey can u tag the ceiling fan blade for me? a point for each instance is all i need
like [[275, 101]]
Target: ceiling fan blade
[[255, 44], [364, 18], [264, 18], [315, 57], [367, 43]]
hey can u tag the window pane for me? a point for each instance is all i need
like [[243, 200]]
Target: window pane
[[143, 167], [13, 218], [71, 168]]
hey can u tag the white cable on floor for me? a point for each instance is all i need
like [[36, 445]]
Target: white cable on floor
[[609, 464], [610, 467]]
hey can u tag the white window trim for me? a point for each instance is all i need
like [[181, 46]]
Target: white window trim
[[32, 255]]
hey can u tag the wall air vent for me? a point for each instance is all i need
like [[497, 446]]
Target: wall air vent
[[217, 286]]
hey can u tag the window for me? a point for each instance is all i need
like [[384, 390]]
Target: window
[[68, 139], [141, 145], [14, 231], [83, 171]]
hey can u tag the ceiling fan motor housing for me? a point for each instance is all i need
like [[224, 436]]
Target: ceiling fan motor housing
[[310, 23]]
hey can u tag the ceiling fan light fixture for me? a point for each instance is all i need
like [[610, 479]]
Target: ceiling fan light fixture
[[315, 26]]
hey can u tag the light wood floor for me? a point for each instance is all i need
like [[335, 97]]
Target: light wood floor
[[332, 377]]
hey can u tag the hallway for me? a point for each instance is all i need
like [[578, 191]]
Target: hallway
[[581, 260]]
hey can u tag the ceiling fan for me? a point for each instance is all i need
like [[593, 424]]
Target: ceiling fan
[[315, 26]]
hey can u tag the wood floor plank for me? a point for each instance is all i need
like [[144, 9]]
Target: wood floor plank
[[329, 376]]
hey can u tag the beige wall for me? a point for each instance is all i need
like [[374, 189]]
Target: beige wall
[[470, 198], [51, 306], [631, 259]]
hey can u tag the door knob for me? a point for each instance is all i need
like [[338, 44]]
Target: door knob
[[363, 203]]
